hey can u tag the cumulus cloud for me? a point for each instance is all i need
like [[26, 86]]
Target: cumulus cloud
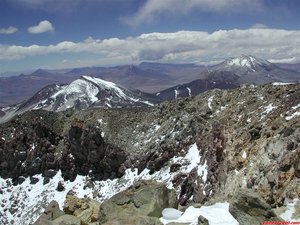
[[182, 46], [154, 8], [43, 27], [9, 30]]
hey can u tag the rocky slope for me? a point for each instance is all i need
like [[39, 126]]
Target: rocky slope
[[208, 81], [205, 147]]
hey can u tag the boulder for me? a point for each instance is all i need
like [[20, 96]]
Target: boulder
[[86, 210], [249, 208], [60, 186], [202, 221], [146, 198], [51, 213], [171, 214]]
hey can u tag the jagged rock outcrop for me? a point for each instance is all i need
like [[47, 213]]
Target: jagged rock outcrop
[[87, 210], [87, 151], [37, 145], [30, 146], [249, 208]]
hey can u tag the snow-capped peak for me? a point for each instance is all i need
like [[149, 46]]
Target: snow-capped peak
[[106, 85], [85, 92], [90, 91], [244, 64], [247, 61]]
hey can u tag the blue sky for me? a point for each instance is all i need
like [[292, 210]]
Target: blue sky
[[70, 33]]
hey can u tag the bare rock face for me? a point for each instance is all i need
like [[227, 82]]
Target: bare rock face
[[2, 113], [86, 151], [66, 220], [249, 208], [29, 146], [146, 199]]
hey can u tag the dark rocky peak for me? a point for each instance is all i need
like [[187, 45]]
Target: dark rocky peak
[[85, 70], [41, 72]]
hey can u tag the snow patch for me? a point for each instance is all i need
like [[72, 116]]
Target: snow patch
[[156, 127], [269, 108], [171, 214], [281, 83], [210, 99], [296, 107], [217, 214], [176, 93], [32, 196], [244, 156], [290, 210], [189, 90], [295, 114], [147, 103]]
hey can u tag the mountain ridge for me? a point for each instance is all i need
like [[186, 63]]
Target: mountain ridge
[[204, 147]]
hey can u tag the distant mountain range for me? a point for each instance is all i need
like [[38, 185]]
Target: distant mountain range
[[289, 66], [19, 88], [232, 73], [166, 80]]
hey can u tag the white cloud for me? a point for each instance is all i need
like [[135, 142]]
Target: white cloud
[[9, 30], [155, 8], [288, 60], [181, 46], [43, 27]]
